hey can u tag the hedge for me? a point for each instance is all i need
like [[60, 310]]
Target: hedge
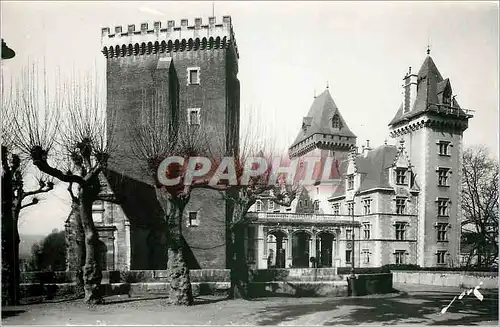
[[388, 268], [417, 267]]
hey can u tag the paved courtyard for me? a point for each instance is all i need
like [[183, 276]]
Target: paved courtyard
[[415, 304]]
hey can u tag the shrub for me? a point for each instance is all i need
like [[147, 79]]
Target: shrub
[[374, 270]]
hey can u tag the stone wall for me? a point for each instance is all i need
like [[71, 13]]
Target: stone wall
[[447, 278], [295, 274], [370, 284]]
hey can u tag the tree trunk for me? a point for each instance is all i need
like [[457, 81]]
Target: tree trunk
[[92, 273], [8, 267], [76, 246], [181, 292], [238, 265], [16, 271]]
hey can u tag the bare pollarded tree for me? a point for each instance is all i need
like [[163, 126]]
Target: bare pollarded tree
[[157, 137], [77, 139], [161, 136], [15, 198], [255, 143]]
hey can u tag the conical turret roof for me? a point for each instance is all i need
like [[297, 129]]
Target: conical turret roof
[[320, 119]]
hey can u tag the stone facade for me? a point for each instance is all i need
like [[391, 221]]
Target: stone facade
[[194, 70], [402, 201]]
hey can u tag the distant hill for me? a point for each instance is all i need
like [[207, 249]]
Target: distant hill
[[27, 241]]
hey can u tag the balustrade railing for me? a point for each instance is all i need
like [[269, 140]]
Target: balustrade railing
[[446, 109], [298, 216]]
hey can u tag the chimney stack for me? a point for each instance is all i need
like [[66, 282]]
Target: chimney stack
[[410, 91], [366, 149]]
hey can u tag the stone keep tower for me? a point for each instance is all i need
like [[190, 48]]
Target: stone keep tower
[[431, 123], [195, 67]]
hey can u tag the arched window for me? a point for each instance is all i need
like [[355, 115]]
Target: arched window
[[258, 205], [270, 205]]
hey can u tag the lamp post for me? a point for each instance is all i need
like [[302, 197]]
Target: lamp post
[[352, 240], [7, 53]]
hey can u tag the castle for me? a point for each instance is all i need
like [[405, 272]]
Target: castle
[[400, 203]]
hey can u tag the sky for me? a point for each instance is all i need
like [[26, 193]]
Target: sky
[[289, 51]]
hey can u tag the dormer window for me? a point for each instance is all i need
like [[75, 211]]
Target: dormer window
[[258, 205], [270, 205], [401, 176], [350, 182], [447, 96], [336, 122], [336, 209]]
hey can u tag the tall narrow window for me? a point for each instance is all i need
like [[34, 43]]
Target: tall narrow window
[[442, 228], [443, 148], [350, 208], [193, 75], [367, 206], [400, 228], [366, 256], [316, 204], [443, 176], [399, 257], [250, 244], [194, 116], [348, 234], [350, 182], [193, 219], [98, 211], [400, 206], [442, 205], [441, 257], [366, 230], [348, 256], [336, 209], [401, 176]]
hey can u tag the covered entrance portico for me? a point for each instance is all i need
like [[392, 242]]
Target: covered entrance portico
[[293, 246]]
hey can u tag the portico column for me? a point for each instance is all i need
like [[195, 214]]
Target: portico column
[[336, 253], [334, 250], [289, 256], [318, 248], [128, 254], [261, 248], [312, 248]]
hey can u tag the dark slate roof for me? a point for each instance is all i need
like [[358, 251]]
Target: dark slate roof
[[374, 169], [320, 118], [430, 84]]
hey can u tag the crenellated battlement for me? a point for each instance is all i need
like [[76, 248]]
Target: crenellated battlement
[[158, 39]]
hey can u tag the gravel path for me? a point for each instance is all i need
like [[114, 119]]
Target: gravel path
[[415, 304]]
